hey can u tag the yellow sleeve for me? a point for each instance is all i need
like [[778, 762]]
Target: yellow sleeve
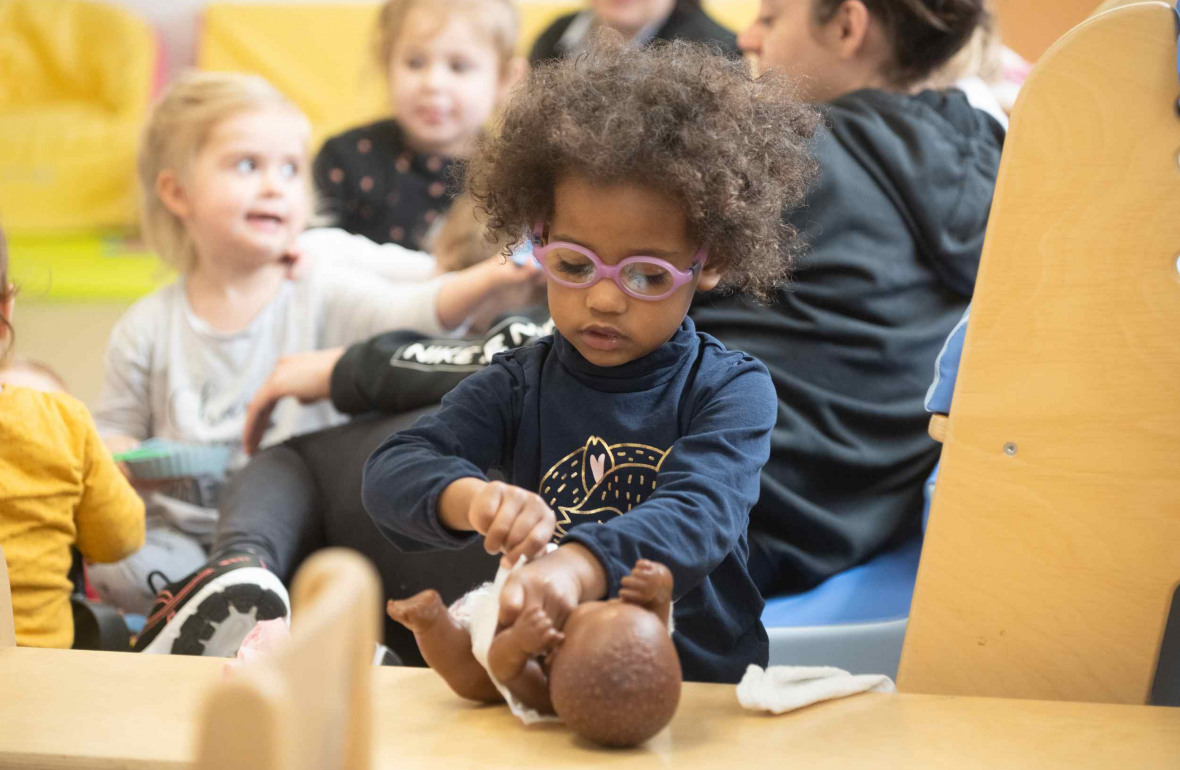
[[110, 516]]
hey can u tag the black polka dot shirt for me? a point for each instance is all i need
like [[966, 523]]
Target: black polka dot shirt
[[371, 184]]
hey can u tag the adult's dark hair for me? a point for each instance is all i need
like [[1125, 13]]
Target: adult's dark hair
[[675, 117], [924, 34]]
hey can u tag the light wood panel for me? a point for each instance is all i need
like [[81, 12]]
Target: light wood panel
[[1048, 568], [309, 706], [7, 620], [62, 709], [1029, 27]]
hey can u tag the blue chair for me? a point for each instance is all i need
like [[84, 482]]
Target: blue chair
[[854, 620]]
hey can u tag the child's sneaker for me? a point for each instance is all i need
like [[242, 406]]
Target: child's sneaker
[[212, 610]]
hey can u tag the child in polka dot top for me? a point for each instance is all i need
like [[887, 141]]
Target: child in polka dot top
[[449, 64]]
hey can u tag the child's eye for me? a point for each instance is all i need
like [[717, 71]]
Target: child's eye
[[416, 62], [289, 170], [574, 268], [765, 21], [460, 66], [246, 165], [642, 277]]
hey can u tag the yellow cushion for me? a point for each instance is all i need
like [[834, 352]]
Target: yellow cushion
[[321, 55], [77, 80]]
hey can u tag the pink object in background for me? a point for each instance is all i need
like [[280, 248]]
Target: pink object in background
[[263, 639]]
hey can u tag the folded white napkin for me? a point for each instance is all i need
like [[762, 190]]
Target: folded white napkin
[[780, 689]]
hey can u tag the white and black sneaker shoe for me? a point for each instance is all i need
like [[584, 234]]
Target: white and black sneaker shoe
[[211, 611]]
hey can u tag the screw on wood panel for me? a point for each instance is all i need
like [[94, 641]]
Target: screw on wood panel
[[1009, 449]]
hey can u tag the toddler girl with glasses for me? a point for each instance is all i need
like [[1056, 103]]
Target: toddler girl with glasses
[[641, 177]]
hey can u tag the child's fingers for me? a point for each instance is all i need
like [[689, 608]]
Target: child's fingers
[[538, 531], [502, 522], [483, 507], [258, 419]]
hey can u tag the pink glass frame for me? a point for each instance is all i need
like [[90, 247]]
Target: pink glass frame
[[612, 272]]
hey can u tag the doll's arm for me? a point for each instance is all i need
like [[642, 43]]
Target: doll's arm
[[649, 585], [512, 658]]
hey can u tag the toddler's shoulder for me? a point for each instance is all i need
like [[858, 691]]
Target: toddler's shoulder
[[145, 317], [719, 363], [372, 139], [48, 415]]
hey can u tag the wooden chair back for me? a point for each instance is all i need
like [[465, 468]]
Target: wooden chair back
[[1053, 546], [309, 705], [7, 621]]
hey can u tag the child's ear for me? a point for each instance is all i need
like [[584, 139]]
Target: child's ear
[[6, 308], [171, 192], [515, 70], [709, 279]]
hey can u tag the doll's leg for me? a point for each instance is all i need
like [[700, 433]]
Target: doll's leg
[[650, 586], [445, 645]]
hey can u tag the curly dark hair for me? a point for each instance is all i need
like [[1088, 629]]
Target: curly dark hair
[[678, 118]]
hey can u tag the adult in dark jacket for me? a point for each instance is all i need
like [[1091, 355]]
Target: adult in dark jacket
[[895, 224], [640, 22]]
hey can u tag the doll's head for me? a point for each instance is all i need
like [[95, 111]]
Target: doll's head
[[616, 678], [644, 176]]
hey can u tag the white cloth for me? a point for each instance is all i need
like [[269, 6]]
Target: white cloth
[[478, 611], [169, 374], [780, 689]]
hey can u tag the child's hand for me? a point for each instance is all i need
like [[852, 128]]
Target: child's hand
[[512, 520], [556, 582], [297, 262], [306, 376]]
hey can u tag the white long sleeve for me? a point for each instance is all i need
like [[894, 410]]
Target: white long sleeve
[[331, 247]]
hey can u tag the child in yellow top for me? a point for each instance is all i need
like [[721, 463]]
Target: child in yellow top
[[59, 487]]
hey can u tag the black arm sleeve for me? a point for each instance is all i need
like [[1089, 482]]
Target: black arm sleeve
[[402, 370]]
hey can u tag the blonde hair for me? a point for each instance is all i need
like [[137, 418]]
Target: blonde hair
[[177, 129], [497, 19]]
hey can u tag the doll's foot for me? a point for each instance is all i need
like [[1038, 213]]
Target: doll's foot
[[649, 585], [535, 633], [419, 612]]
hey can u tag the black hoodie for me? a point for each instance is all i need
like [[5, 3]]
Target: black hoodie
[[895, 226]]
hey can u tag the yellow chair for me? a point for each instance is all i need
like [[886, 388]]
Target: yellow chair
[[1053, 547], [308, 706], [320, 55], [77, 79]]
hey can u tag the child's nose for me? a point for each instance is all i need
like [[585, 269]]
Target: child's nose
[[271, 184], [606, 297], [432, 76]]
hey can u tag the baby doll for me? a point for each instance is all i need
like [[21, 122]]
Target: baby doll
[[612, 675]]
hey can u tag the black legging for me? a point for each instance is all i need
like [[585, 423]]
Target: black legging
[[305, 494]]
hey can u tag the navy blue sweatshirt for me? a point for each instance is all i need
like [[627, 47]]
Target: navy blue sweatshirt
[[661, 456]]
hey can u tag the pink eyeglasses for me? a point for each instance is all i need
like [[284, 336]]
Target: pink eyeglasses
[[646, 278]]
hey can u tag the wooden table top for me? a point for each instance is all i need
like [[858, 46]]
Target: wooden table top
[[73, 709]]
